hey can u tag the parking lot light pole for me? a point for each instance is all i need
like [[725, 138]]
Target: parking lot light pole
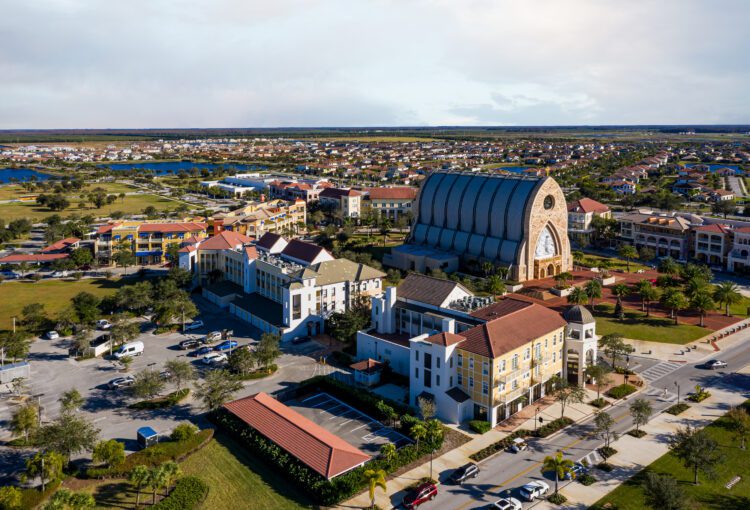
[[432, 452], [678, 391]]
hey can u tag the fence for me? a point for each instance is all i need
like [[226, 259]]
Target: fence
[[14, 371]]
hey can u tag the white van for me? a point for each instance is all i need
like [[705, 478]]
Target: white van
[[130, 349]]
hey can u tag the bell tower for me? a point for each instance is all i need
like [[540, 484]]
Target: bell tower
[[581, 343]]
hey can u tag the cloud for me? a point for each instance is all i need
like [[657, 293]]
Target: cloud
[[181, 63]]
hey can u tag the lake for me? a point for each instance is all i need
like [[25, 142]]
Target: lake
[[713, 167], [22, 174], [515, 169], [173, 167]]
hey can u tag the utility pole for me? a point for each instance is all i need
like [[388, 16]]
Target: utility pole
[[14, 324]]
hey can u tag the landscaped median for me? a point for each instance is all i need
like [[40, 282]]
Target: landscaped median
[[505, 443]]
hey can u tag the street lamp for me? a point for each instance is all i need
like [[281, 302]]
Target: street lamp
[[678, 391], [432, 453], [536, 411]]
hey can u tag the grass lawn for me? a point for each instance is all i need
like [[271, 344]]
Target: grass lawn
[[710, 493], [637, 326], [55, 295], [133, 204], [238, 480], [594, 261]]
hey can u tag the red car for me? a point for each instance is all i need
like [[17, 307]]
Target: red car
[[421, 494]]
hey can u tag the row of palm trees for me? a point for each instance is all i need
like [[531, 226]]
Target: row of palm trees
[[696, 294]]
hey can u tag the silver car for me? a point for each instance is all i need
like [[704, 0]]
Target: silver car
[[716, 364]]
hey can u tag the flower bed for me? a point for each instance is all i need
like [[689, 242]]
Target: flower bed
[[621, 391], [552, 427], [599, 403], [499, 446], [636, 433], [677, 409], [607, 451]]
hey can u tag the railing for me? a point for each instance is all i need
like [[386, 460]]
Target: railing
[[511, 395]]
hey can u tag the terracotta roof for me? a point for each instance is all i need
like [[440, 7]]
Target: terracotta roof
[[267, 240], [301, 250], [62, 244], [251, 251], [338, 193], [445, 339], [39, 257], [511, 331], [172, 227], [426, 289], [106, 228], [715, 227], [587, 205], [324, 452], [500, 308], [401, 193], [225, 240], [187, 249], [368, 365]]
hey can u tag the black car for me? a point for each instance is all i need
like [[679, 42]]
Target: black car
[[202, 351], [463, 473], [301, 340], [189, 344]]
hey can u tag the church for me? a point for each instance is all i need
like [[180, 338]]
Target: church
[[514, 221]]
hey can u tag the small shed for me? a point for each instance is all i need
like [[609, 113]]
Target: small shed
[[147, 437], [367, 372]]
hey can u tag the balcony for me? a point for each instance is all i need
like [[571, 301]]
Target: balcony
[[510, 396]]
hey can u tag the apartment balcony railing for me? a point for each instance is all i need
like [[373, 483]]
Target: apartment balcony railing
[[507, 398]]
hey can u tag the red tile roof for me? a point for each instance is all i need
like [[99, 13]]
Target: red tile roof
[[301, 250], [338, 193], [106, 228], [368, 366], [402, 193], [251, 251], [324, 452], [715, 227], [39, 257], [445, 339], [172, 227], [62, 244], [225, 240], [587, 205]]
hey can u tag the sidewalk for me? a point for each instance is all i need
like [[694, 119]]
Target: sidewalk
[[550, 410], [635, 454]]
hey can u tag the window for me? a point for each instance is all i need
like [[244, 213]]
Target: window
[[546, 342], [450, 381], [416, 373], [527, 353], [485, 368], [485, 388], [437, 380], [450, 362], [437, 362], [471, 382], [416, 355], [514, 385], [501, 366], [471, 363], [296, 306], [460, 360], [427, 379], [514, 362], [460, 380], [554, 357]]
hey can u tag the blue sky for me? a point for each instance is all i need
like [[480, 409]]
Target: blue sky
[[247, 63]]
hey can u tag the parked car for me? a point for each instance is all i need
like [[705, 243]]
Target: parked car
[[59, 274], [165, 374], [213, 336], [301, 340], [201, 351], [121, 382], [52, 335], [577, 470], [421, 494], [9, 275], [189, 344], [463, 473], [129, 350], [519, 445], [226, 345], [716, 364], [103, 324], [507, 504], [193, 325], [214, 358], [534, 490]]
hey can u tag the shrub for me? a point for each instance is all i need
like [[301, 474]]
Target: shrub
[[550, 428], [604, 466], [623, 371], [499, 446], [33, 498], [607, 451], [557, 499], [342, 358], [155, 455], [677, 408], [183, 432], [636, 433], [162, 402], [189, 492], [480, 426], [257, 374], [599, 403], [700, 394], [621, 391], [586, 479]]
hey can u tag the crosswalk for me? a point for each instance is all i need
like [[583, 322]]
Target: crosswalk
[[662, 394], [592, 459], [659, 370]]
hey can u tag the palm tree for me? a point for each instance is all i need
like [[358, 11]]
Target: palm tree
[[648, 294], [702, 303], [669, 266], [418, 432], [385, 228], [562, 279], [674, 300], [727, 294], [578, 296], [593, 290], [434, 432], [620, 291], [695, 286], [171, 472], [558, 465], [628, 252], [156, 480], [375, 478], [388, 452], [138, 477]]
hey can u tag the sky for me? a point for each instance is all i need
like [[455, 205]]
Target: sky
[[303, 63]]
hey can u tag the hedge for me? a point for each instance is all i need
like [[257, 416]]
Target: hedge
[[162, 402], [257, 374], [32, 498], [480, 426], [499, 446], [677, 408], [189, 492], [155, 455], [621, 391], [552, 427], [324, 492]]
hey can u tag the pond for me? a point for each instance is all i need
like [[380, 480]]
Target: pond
[[515, 169], [713, 167], [22, 174], [173, 167]]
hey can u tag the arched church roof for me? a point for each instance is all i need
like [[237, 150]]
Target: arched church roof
[[578, 314]]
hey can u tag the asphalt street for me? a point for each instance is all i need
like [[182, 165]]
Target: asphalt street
[[506, 472]]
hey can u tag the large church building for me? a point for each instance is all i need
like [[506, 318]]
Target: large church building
[[516, 221]]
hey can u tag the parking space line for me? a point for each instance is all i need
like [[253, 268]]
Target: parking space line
[[365, 425]]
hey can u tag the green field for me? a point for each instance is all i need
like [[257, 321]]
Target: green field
[[709, 494], [617, 264], [132, 204], [235, 476], [55, 295], [637, 326]]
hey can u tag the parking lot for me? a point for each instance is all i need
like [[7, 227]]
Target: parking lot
[[353, 426]]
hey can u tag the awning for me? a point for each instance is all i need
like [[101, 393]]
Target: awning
[[147, 253]]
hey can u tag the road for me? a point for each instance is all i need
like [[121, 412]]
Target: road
[[508, 472], [737, 187]]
